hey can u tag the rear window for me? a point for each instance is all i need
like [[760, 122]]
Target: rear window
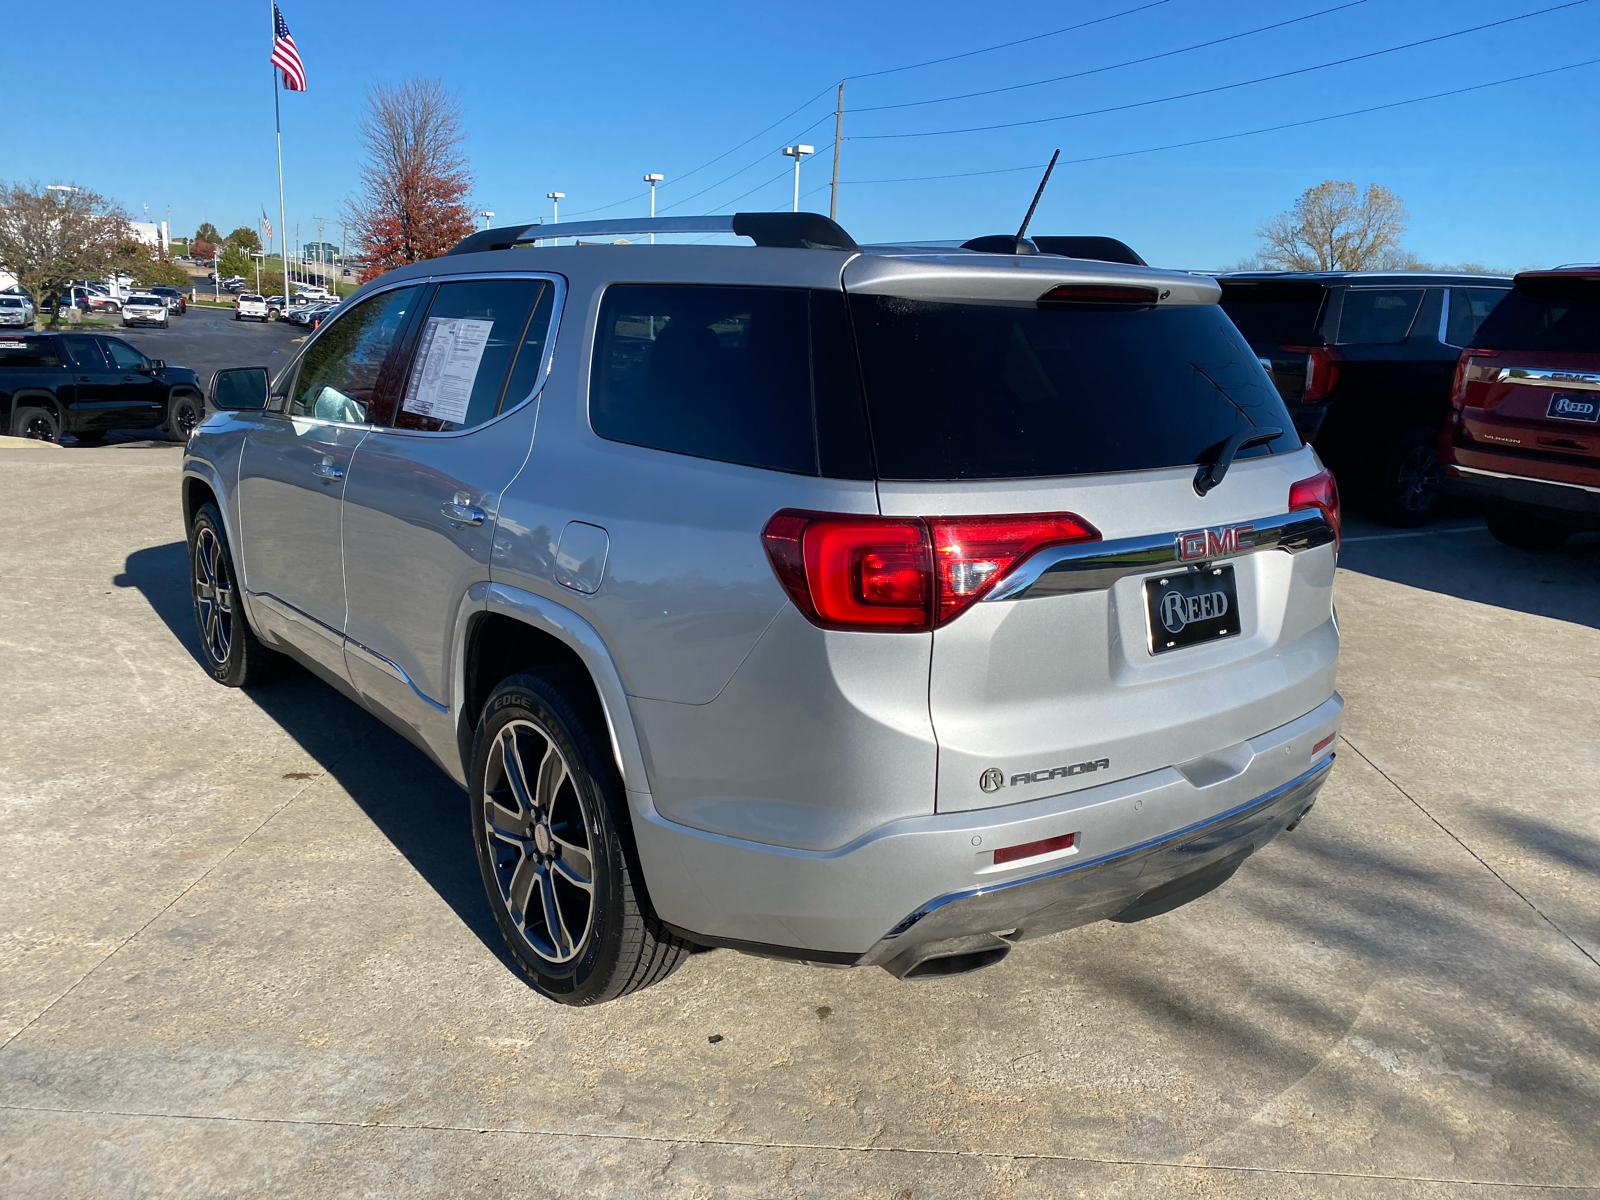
[[18, 352], [1275, 313], [1378, 316], [757, 376], [247, 299], [992, 391], [1561, 315]]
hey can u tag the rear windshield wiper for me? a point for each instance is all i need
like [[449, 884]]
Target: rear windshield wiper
[[1219, 458]]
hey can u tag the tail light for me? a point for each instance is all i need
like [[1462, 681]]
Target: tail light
[[1322, 372], [1467, 371], [903, 573], [1322, 493], [1099, 295]]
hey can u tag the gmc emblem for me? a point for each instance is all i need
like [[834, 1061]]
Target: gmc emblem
[[1213, 543]]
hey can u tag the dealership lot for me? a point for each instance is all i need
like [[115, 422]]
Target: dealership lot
[[246, 949]]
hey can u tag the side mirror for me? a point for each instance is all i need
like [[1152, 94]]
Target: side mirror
[[239, 389]]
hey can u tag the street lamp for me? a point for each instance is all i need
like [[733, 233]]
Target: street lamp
[[258, 256], [61, 187], [486, 218], [555, 199], [652, 179], [797, 152]]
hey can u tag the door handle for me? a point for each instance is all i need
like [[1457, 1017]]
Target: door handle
[[464, 513], [328, 469]]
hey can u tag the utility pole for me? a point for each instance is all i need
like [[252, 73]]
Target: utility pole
[[797, 153], [838, 136], [322, 257], [653, 179]]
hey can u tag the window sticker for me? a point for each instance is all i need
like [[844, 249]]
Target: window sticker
[[447, 367]]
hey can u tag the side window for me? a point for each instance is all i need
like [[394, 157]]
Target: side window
[[343, 374], [1468, 308], [1378, 316], [123, 356], [84, 354], [1425, 327], [477, 335], [715, 372]]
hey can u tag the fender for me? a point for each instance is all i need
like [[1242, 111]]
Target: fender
[[585, 641]]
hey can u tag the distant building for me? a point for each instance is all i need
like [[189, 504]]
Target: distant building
[[323, 251], [152, 234]]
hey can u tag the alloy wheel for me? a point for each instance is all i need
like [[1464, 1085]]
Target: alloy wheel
[[188, 418], [39, 429], [1418, 479], [538, 836], [213, 596]]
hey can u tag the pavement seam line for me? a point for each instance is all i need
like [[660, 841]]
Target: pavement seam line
[[194, 883], [1511, 887], [832, 1147]]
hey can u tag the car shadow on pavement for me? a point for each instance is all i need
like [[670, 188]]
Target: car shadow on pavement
[[1473, 566], [420, 810]]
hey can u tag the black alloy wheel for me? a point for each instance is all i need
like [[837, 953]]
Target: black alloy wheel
[[549, 823], [36, 424], [1409, 492], [228, 646], [184, 415]]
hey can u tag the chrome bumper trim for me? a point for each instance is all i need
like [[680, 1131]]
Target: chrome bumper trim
[[1096, 566], [1457, 469]]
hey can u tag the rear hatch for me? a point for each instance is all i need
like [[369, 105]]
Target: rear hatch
[[1529, 388], [1282, 321], [983, 401]]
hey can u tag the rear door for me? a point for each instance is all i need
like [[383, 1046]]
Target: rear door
[[94, 381], [1011, 408]]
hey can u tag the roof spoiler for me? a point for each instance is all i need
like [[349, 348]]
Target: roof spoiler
[[1096, 249], [793, 231]]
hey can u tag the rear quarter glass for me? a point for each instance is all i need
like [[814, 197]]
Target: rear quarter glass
[[1554, 315], [1002, 391], [1278, 314]]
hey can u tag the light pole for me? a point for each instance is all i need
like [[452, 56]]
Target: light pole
[[652, 179], [258, 256], [797, 153], [487, 217], [555, 199]]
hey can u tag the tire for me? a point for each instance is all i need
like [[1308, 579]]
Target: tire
[[1525, 531], [184, 414], [557, 863], [40, 424], [228, 646], [1406, 493], [236, 317]]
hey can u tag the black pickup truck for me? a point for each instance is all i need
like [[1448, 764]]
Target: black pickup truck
[[85, 384]]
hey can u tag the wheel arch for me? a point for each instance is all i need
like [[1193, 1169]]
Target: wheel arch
[[518, 631], [25, 397]]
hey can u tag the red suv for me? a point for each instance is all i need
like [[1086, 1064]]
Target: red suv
[[1524, 436]]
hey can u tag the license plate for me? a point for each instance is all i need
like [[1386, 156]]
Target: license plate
[[1189, 607], [1574, 408]]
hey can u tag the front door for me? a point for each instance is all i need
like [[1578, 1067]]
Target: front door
[[141, 398], [292, 475], [424, 490]]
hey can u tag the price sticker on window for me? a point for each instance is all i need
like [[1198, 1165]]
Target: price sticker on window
[[448, 358]]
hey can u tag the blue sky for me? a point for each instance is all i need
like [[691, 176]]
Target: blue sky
[[173, 106]]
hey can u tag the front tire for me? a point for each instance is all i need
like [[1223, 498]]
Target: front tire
[[1525, 531], [228, 646], [184, 415], [548, 816]]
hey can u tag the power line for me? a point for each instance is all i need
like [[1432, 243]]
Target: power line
[[932, 62], [1226, 137], [1225, 87], [1132, 62], [748, 167]]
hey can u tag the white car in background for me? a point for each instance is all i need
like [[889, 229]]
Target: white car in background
[[311, 291], [144, 308], [16, 309], [251, 305]]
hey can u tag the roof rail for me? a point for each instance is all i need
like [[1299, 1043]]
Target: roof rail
[[796, 231]]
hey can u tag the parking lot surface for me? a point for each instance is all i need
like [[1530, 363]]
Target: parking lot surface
[[246, 951]]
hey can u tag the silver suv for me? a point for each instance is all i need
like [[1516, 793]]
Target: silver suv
[[881, 605]]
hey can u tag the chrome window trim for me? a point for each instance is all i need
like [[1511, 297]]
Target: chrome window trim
[[1097, 566], [1581, 381]]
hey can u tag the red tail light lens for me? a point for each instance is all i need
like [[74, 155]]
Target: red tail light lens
[[903, 573], [1319, 492], [1322, 371]]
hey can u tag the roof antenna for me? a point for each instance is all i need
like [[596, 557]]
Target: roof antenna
[[1029, 218]]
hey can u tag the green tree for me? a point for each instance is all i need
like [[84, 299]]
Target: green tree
[[207, 233], [1333, 227], [48, 238], [243, 238], [236, 261]]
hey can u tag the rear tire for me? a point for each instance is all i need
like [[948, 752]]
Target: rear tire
[[1525, 531], [228, 646], [549, 822], [1406, 492], [39, 424]]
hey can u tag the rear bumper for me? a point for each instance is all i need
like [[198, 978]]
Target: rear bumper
[[933, 877], [1572, 503]]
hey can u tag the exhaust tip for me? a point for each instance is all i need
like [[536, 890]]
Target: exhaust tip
[[951, 956]]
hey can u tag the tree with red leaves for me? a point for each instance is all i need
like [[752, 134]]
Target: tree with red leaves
[[415, 181]]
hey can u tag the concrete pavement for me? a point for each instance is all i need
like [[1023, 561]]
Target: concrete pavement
[[246, 953]]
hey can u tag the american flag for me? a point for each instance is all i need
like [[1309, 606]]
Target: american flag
[[266, 225], [284, 55]]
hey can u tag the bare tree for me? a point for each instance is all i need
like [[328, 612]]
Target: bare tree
[[50, 237], [1333, 227], [415, 180]]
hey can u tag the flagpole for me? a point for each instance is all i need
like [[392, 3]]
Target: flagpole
[[277, 121]]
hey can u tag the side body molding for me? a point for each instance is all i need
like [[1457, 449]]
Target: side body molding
[[567, 626]]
